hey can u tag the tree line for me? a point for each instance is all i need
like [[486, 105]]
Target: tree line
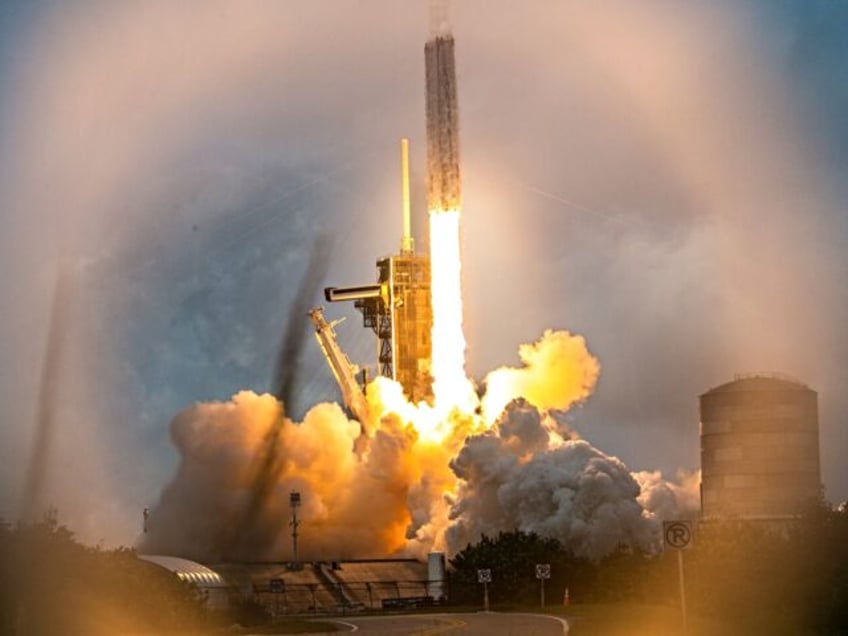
[[52, 584], [747, 572]]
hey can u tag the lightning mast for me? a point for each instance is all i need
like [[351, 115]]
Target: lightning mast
[[398, 307]]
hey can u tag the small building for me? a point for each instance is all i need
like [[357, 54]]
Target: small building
[[209, 583]]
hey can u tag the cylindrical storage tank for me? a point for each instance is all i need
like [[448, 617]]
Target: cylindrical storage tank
[[759, 448], [436, 575]]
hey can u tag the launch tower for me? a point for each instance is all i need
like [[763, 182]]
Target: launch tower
[[398, 308]]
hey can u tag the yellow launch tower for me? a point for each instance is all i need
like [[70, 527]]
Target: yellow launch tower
[[399, 307]]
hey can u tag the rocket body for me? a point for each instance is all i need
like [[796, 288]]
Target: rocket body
[[451, 387], [444, 186]]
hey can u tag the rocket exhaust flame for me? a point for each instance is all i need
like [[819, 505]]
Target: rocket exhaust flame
[[427, 481], [451, 387]]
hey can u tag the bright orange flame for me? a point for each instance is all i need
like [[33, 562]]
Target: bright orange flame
[[451, 387]]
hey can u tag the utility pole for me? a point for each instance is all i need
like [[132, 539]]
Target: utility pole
[[677, 535], [294, 502]]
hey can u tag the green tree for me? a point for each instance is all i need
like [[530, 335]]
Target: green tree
[[52, 584], [512, 559], [794, 571]]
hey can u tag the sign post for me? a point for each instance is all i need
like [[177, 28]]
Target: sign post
[[485, 577], [543, 572], [677, 535]]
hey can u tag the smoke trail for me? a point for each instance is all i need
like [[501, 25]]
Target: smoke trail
[[267, 464], [294, 335], [32, 500], [245, 534]]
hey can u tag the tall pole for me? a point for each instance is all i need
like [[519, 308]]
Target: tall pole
[[542, 581], [682, 588], [294, 502], [407, 245]]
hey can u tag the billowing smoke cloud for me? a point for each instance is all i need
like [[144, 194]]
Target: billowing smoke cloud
[[422, 486], [375, 504], [513, 477], [266, 462], [218, 444], [558, 371], [670, 500]]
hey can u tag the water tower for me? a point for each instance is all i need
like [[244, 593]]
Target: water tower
[[759, 448]]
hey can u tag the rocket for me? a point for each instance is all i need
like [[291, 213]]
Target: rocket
[[444, 187], [451, 386]]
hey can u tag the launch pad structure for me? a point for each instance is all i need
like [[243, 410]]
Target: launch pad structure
[[398, 308]]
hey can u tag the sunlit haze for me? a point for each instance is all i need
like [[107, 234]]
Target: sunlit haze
[[653, 200]]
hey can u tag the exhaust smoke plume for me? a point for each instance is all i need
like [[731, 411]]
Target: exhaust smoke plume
[[521, 475], [294, 337], [264, 471], [423, 487]]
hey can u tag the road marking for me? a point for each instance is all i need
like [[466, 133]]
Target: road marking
[[565, 626], [353, 627]]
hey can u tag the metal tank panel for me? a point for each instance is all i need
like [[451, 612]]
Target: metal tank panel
[[759, 448]]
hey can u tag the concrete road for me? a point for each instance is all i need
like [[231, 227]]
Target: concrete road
[[480, 624]]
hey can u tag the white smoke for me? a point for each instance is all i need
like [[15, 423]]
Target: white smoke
[[558, 372], [670, 500], [519, 475], [413, 488]]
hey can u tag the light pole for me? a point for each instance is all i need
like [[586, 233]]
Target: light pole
[[294, 502]]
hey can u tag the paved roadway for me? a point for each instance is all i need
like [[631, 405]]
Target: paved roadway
[[480, 624]]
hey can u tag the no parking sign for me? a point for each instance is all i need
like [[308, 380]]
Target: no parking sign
[[677, 535]]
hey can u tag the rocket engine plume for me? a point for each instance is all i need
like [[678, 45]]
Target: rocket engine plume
[[451, 387], [421, 491]]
